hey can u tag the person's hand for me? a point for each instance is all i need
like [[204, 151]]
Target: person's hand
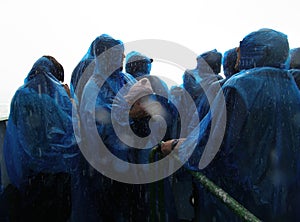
[[168, 146]]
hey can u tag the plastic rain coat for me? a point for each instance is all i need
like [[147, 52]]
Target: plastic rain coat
[[39, 135], [258, 160]]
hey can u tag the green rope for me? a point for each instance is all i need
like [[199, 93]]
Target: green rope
[[238, 209], [230, 202]]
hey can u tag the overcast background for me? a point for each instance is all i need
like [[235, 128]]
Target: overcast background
[[65, 29]]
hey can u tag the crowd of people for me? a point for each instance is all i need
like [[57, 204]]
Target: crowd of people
[[242, 132]]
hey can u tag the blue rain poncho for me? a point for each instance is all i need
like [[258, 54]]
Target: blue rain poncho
[[294, 64], [137, 64], [294, 59], [39, 135], [141, 126], [183, 107], [296, 75], [258, 160], [209, 62], [229, 62], [201, 88], [198, 82], [97, 197], [81, 74]]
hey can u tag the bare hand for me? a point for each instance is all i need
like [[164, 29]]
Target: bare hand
[[168, 146]]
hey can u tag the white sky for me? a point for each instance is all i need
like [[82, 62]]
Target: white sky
[[65, 29]]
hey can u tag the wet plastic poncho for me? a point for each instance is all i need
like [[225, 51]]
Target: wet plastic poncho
[[39, 135], [198, 81], [229, 62], [258, 160], [184, 112], [80, 75], [137, 64], [296, 75], [200, 86], [294, 64], [97, 197], [209, 62], [294, 59]]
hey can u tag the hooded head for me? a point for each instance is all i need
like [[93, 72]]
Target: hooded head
[[210, 60], [109, 53], [294, 62], [57, 69], [189, 81], [138, 64], [263, 48], [229, 62], [47, 64]]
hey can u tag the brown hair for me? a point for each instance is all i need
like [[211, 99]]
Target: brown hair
[[59, 70]]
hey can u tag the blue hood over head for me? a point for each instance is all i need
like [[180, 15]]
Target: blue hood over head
[[109, 54], [113, 57], [211, 58], [105, 42], [49, 65], [294, 62], [229, 62], [138, 64], [265, 47]]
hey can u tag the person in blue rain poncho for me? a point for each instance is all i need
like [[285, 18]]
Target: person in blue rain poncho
[[40, 148], [99, 198], [199, 88], [139, 66], [294, 65], [257, 162], [199, 82], [156, 104], [229, 63]]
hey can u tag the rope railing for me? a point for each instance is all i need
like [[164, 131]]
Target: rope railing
[[229, 201]]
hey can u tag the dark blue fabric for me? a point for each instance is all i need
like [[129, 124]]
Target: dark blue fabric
[[258, 161], [229, 62], [95, 196], [294, 59], [191, 83], [296, 75], [211, 59], [160, 94], [137, 64], [265, 47], [294, 65], [39, 135], [201, 87], [197, 81], [181, 112], [91, 186], [80, 77]]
